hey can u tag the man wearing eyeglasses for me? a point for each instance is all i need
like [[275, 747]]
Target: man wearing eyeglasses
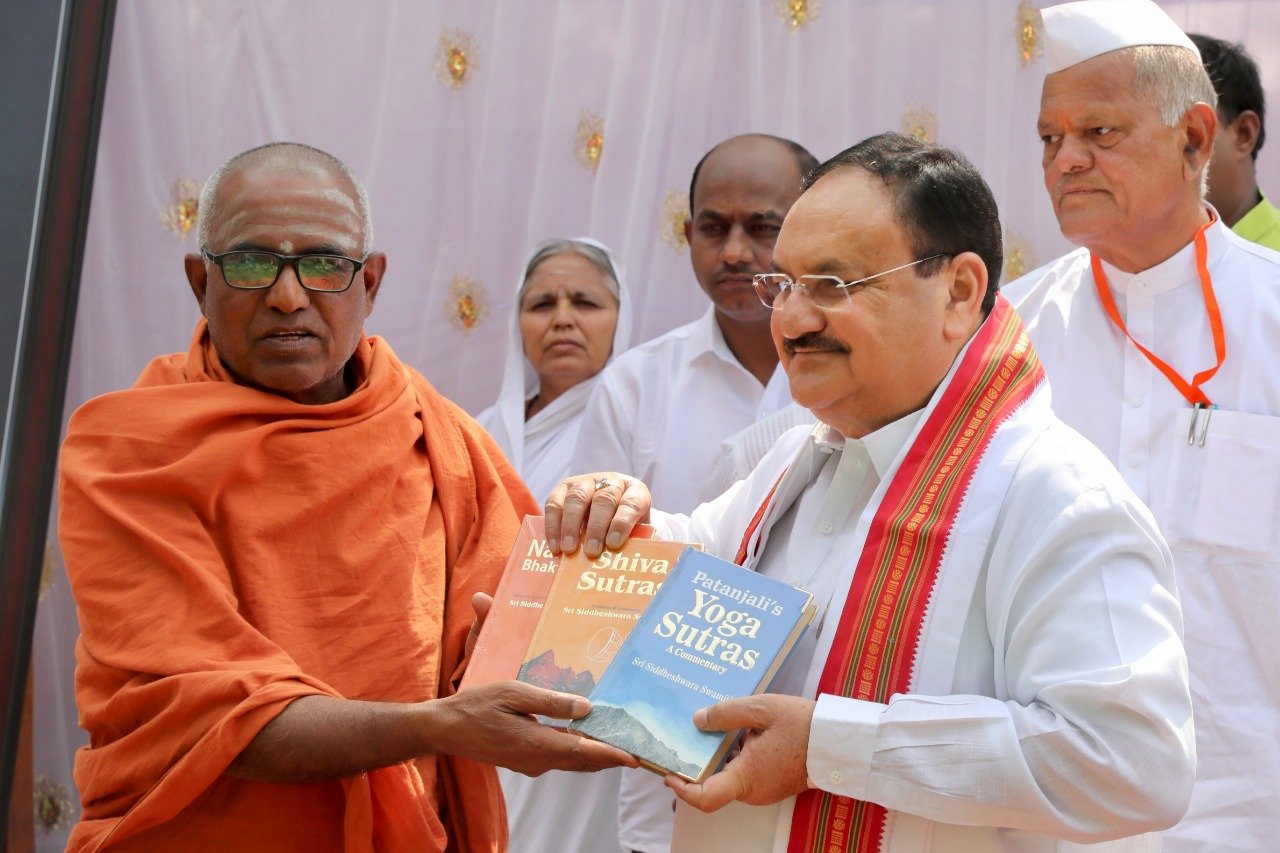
[[274, 540], [997, 661]]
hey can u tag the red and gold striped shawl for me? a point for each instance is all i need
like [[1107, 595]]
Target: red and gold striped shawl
[[875, 644]]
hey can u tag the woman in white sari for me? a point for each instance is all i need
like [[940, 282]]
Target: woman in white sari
[[572, 315]]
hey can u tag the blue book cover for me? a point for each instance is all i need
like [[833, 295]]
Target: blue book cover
[[713, 631]]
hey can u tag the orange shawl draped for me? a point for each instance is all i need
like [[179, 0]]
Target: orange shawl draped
[[231, 551]]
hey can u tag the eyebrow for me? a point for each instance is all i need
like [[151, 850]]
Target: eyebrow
[[832, 267], [1086, 121], [829, 267], [757, 216]]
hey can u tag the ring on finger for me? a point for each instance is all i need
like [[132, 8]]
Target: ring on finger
[[602, 483]]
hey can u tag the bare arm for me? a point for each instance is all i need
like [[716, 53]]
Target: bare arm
[[322, 737]]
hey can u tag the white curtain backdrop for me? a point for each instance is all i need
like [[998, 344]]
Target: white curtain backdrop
[[464, 179]]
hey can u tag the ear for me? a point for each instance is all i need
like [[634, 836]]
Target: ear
[[1199, 125], [1243, 133], [688, 229], [370, 277], [964, 296], [197, 277]]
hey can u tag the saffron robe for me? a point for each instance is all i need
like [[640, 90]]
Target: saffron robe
[[230, 551]]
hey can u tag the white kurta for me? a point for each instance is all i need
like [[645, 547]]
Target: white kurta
[[539, 449], [660, 413], [1218, 505], [1049, 694]]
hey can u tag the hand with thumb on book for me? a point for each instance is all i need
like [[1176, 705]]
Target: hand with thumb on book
[[771, 765], [494, 723]]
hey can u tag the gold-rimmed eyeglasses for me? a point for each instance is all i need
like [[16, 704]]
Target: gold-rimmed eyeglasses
[[826, 291]]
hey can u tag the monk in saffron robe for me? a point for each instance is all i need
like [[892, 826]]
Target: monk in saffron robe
[[274, 540]]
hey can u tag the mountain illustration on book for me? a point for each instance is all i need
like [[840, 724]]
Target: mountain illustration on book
[[542, 671], [713, 631], [615, 725]]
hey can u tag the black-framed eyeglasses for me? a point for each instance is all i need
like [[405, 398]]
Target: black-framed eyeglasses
[[826, 291], [258, 270]]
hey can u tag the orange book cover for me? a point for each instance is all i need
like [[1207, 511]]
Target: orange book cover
[[590, 609], [517, 604]]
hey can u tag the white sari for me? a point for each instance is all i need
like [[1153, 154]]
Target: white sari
[[573, 812]]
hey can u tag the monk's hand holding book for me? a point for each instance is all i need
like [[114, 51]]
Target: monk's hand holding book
[[494, 723], [771, 765], [480, 603]]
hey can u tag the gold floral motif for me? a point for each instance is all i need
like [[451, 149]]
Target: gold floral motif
[[590, 143], [797, 13], [179, 215], [52, 805], [455, 58], [922, 124], [1018, 258], [1030, 32], [468, 304], [675, 210], [46, 569]]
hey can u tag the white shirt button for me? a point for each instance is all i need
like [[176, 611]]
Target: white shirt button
[[826, 527], [835, 777], [1134, 460], [1134, 400]]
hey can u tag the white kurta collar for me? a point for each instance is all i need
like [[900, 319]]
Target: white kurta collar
[[883, 446], [1172, 273]]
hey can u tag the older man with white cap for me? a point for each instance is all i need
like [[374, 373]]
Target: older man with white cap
[[1159, 336]]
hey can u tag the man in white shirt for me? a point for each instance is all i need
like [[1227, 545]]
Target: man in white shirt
[[1159, 336], [660, 411], [997, 662]]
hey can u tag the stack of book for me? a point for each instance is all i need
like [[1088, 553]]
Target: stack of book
[[649, 633]]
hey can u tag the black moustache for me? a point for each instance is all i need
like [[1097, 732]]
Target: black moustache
[[813, 342]]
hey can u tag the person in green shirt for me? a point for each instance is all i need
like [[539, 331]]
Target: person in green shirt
[[1242, 128]]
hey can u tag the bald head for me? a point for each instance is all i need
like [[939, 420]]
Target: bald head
[[754, 152], [285, 157], [741, 192]]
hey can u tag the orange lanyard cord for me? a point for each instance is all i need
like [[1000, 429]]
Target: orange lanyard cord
[[1190, 390]]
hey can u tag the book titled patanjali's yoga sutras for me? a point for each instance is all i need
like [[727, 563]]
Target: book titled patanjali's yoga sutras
[[713, 631]]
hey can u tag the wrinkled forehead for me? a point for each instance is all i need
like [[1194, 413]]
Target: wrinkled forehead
[[286, 208], [567, 273], [1106, 80]]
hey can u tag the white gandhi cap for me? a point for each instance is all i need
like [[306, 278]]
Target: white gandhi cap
[[1074, 32]]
